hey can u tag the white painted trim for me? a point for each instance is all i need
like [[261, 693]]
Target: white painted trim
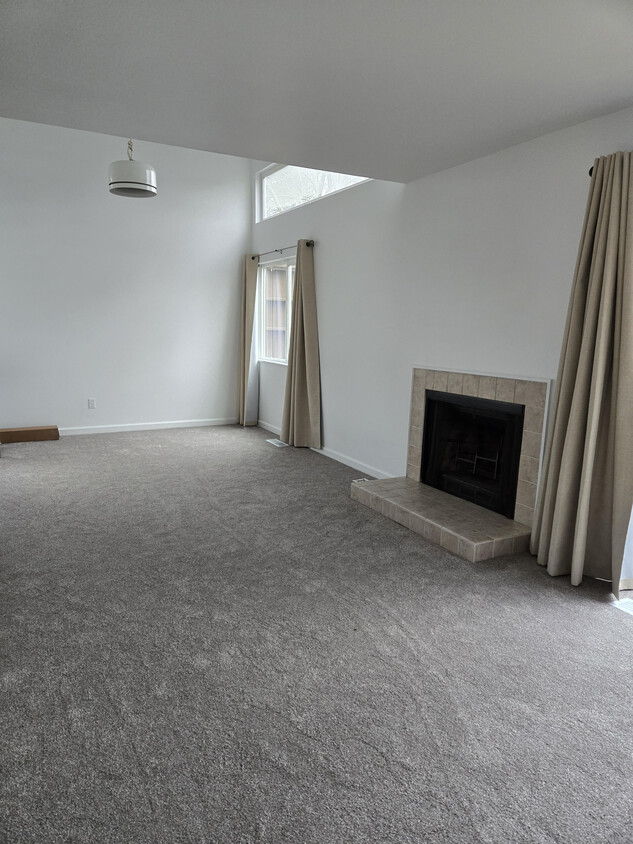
[[333, 455], [350, 461], [260, 209], [268, 426], [268, 170], [274, 361], [147, 426]]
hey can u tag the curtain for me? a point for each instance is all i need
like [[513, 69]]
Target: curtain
[[248, 384], [301, 421], [586, 494]]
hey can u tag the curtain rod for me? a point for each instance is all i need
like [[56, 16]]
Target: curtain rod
[[283, 249]]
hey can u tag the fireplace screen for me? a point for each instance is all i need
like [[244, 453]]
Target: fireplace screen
[[471, 449]]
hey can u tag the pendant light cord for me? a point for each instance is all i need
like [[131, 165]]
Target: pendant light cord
[[129, 150]]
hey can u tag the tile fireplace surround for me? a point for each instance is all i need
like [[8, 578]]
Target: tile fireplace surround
[[460, 526]]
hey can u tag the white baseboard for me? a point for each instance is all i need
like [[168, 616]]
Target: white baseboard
[[334, 455], [268, 426], [146, 426], [355, 464], [205, 423]]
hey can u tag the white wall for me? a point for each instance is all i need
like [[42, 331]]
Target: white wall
[[469, 269], [132, 302], [272, 386]]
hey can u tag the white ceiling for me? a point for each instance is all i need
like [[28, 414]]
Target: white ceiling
[[392, 89]]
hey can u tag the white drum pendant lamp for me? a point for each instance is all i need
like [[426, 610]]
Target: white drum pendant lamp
[[132, 178]]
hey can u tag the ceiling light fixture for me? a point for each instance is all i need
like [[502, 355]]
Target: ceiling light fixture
[[132, 178]]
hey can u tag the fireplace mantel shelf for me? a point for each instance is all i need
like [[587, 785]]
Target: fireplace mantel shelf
[[464, 528]]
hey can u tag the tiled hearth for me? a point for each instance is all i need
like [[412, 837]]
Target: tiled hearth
[[466, 529], [470, 531]]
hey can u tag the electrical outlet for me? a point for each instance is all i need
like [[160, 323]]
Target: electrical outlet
[[92, 403]]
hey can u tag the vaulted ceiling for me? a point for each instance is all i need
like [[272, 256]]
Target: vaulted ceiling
[[392, 89]]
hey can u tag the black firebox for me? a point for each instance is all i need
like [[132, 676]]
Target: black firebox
[[471, 448]]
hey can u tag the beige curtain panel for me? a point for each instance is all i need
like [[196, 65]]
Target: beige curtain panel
[[301, 421], [248, 384], [586, 493]]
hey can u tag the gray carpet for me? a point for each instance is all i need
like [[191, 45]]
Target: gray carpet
[[205, 640]]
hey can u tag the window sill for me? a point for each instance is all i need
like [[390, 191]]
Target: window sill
[[274, 360]]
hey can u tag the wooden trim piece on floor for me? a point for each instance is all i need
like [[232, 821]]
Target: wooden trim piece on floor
[[29, 435]]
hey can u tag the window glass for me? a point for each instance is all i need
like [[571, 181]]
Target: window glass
[[276, 282], [282, 188]]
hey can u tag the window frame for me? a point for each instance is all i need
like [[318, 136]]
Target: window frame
[[289, 261], [260, 190], [269, 170]]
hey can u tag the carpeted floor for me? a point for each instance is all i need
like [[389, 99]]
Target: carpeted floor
[[204, 639]]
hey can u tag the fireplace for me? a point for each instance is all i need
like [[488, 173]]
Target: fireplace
[[490, 434], [531, 395], [471, 449]]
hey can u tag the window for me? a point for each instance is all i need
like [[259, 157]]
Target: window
[[282, 188], [276, 283]]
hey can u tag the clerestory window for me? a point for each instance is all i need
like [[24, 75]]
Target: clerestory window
[[281, 188]]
